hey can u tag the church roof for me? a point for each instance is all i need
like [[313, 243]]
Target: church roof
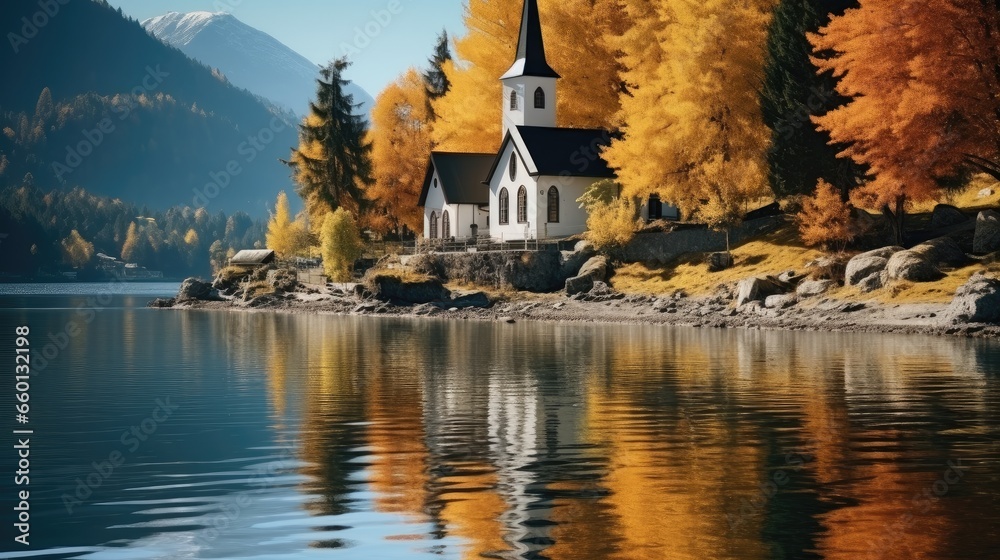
[[461, 175], [530, 59], [566, 152]]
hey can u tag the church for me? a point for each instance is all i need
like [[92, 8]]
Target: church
[[529, 188]]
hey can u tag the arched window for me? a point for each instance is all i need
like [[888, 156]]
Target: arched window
[[513, 166], [434, 225], [522, 205], [539, 98], [445, 225], [504, 206], [435, 182], [513, 100], [553, 205]]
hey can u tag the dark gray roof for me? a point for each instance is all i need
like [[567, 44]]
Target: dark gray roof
[[461, 177], [253, 257], [530, 58], [567, 152]]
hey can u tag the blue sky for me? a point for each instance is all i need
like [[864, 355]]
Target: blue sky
[[321, 29]]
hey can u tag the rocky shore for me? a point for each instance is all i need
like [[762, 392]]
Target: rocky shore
[[747, 306]]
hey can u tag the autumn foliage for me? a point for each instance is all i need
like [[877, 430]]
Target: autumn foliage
[[923, 79], [825, 219]]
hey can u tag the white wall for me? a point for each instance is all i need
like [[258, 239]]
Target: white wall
[[501, 178], [572, 218], [526, 114], [433, 203], [462, 216]]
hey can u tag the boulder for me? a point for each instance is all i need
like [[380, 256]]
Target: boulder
[[780, 301], [912, 266], [394, 289], [758, 289], [976, 301], [987, 237], [193, 289], [719, 261], [470, 299], [945, 215], [283, 279], [579, 285], [813, 288], [874, 281], [864, 265], [791, 277], [942, 251], [596, 268], [162, 303], [985, 193]]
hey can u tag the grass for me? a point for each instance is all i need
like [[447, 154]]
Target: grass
[[771, 254]]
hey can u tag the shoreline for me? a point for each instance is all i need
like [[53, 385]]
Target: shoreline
[[818, 315]]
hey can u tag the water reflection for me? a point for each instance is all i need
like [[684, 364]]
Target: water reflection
[[554, 441]]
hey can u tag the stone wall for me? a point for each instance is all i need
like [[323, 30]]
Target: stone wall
[[663, 247], [533, 271]]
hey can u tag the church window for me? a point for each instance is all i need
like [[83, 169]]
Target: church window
[[504, 206], [513, 100], [522, 205], [553, 205], [539, 98]]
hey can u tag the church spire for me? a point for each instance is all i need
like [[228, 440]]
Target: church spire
[[530, 59]]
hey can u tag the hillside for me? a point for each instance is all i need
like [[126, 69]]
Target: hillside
[[248, 57], [102, 105]]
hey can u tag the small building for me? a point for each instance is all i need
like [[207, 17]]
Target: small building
[[455, 200], [250, 258]]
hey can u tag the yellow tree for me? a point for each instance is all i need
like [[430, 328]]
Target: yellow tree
[[577, 46], [340, 245], [77, 251], [923, 79], [694, 133], [401, 144], [285, 236]]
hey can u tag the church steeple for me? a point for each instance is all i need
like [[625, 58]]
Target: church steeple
[[529, 87], [530, 59]]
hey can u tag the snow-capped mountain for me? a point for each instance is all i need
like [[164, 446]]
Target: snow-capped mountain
[[250, 58]]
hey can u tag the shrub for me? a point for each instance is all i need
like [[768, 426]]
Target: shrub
[[341, 245], [825, 219], [612, 224]]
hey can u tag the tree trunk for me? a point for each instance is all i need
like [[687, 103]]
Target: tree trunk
[[896, 218]]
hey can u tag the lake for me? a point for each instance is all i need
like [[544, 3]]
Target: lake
[[192, 434]]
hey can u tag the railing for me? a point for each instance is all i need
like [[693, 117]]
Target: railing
[[479, 244]]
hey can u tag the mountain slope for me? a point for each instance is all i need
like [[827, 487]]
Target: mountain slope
[[249, 58], [93, 100]]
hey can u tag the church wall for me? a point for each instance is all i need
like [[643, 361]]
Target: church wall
[[572, 218], [512, 230], [434, 203]]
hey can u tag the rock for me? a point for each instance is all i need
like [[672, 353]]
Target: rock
[[663, 305], [942, 251], [193, 289], [584, 247], [912, 266], [780, 301], [874, 281], [509, 320], [596, 268], [985, 193], [579, 285], [866, 264], [813, 288], [283, 279], [719, 261], [470, 299], [757, 289], [987, 238], [790, 277], [162, 303], [394, 289], [976, 301], [945, 215]]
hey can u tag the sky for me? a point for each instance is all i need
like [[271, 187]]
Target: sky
[[321, 30]]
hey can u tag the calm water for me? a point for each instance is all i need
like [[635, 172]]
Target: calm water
[[356, 438]]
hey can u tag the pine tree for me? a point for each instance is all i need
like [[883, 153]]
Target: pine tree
[[793, 92], [436, 80], [332, 163]]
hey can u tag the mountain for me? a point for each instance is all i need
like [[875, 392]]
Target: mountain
[[92, 100], [249, 58]]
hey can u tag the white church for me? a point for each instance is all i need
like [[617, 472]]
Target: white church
[[529, 189]]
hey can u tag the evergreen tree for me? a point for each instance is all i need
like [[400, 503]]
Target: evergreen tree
[[332, 164], [794, 91], [434, 77]]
